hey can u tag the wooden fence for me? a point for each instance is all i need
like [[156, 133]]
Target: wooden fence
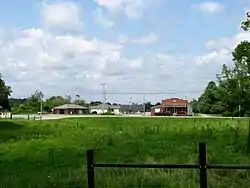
[[202, 166]]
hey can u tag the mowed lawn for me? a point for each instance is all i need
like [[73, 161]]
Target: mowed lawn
[[41, 154]]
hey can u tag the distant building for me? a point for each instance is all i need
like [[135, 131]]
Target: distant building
[[70, 109], [104, 108], [4, 113], [131, 109], [172, 107]]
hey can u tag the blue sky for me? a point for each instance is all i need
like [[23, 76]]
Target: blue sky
[[87, 42]]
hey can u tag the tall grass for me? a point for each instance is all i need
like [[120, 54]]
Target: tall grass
[[52, 153]]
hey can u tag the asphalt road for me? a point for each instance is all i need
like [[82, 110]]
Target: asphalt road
[[55, 116]]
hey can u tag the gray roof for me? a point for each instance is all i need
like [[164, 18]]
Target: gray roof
[[133, 107], [104, 106], [70, 106]]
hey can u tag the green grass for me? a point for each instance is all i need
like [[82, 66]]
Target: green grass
[[41, 154]]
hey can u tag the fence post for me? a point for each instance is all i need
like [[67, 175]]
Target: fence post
[[90, 168], [203, 163]]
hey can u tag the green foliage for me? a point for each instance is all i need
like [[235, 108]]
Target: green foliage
[[52, 153], [5, 92], [55, 101], [209, 102], [245, 25], [231, 96], [16, 102], [31, 105], [148, 106]]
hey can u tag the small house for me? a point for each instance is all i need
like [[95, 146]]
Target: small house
[[70, 109], [104, 108], [131, 109]]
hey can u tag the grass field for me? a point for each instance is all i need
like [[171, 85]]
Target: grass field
[[44, 154]]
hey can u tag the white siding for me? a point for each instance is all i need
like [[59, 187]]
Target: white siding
[[117, 111], [157, 110], [99, 111]]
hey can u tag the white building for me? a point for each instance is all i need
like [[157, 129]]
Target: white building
[[104, 108]]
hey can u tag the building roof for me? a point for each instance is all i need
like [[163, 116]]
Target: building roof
[[70, 106], [157, 106], [104, 106], [133, 107]]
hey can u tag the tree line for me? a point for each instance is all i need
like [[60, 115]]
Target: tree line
[[36, 100], [229, 95]]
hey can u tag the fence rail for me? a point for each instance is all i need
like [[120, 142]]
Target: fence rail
[[202, 166]]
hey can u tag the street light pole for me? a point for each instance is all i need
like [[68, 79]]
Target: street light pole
[[104, 97], [144, 106], [41, 106]]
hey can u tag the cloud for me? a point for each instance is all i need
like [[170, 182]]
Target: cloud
[[132, 9], [62, 15], [220, 50], [59, 64], [67, 64], [209, 6], [150, 38]]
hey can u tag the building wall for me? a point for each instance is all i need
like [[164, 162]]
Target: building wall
[[157, 109], [99, 111], [171, 101], [174, 101], [5, 114], [68, 111]]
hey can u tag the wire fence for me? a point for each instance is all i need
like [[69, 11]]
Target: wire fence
[[203, 166]]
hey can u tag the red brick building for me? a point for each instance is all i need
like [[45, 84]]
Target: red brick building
[[172, 107]]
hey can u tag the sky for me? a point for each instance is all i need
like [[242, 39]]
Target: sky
[[161, 47]]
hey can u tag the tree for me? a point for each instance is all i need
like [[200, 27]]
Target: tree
[[232, 94], [235, 81], [5, 92], [94, 103], [55, 101], [245, 25], [208, 102], [16, 102], [31, 105], [157, 104], [148, 106]]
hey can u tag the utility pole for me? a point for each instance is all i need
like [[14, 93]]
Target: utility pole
[[76, 103], [41, 106], [104, 96], [130, 104], [144, 106]]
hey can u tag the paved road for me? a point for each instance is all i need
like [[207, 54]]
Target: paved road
[[55, 116]]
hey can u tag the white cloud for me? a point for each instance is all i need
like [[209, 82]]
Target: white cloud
[[209, 6], [147, 39], [35, 58], [62, 15], [220, 50], [133, 9], [70, 64]]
